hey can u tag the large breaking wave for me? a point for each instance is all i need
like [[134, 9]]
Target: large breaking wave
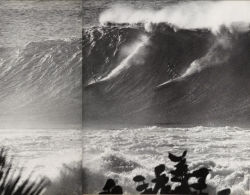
[[41, 85], [131, 59]]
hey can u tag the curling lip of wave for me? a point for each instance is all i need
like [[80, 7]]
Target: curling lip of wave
[[188, 15]]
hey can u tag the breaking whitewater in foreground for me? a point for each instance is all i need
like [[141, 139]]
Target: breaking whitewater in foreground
[[180, 177], [123, 153]]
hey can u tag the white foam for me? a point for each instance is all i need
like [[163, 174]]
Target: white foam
[[125, 64], [225, 153], [185, 14], [42, 151]]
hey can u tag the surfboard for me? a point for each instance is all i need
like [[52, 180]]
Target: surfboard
[[89, 84], [165, 84], [93, 83]]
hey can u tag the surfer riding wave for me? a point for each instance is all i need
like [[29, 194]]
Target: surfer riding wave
[[172, 73], [93, 73]]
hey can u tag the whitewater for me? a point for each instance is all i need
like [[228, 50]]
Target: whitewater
[[123, 153]]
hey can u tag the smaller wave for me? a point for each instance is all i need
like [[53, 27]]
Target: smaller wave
[[39, 77]]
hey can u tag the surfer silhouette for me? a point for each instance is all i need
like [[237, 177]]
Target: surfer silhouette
[[94, 75], [173, 74]]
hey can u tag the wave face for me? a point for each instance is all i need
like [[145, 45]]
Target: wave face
[[132, 59], [41, 85]]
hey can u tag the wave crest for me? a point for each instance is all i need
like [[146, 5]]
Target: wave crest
[[188, 15]]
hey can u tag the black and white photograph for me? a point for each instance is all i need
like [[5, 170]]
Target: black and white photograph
[[40, 97], [166, 97]]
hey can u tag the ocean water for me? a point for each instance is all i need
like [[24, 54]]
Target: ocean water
[[34, 21], [42, 151], [41, 64], [41, 79], [123, 153], [134, 115]]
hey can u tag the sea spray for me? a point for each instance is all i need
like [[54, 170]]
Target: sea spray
[[188, 15], [133, 56]]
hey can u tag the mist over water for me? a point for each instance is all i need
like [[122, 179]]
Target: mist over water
[[133, 56], [189, 15]]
